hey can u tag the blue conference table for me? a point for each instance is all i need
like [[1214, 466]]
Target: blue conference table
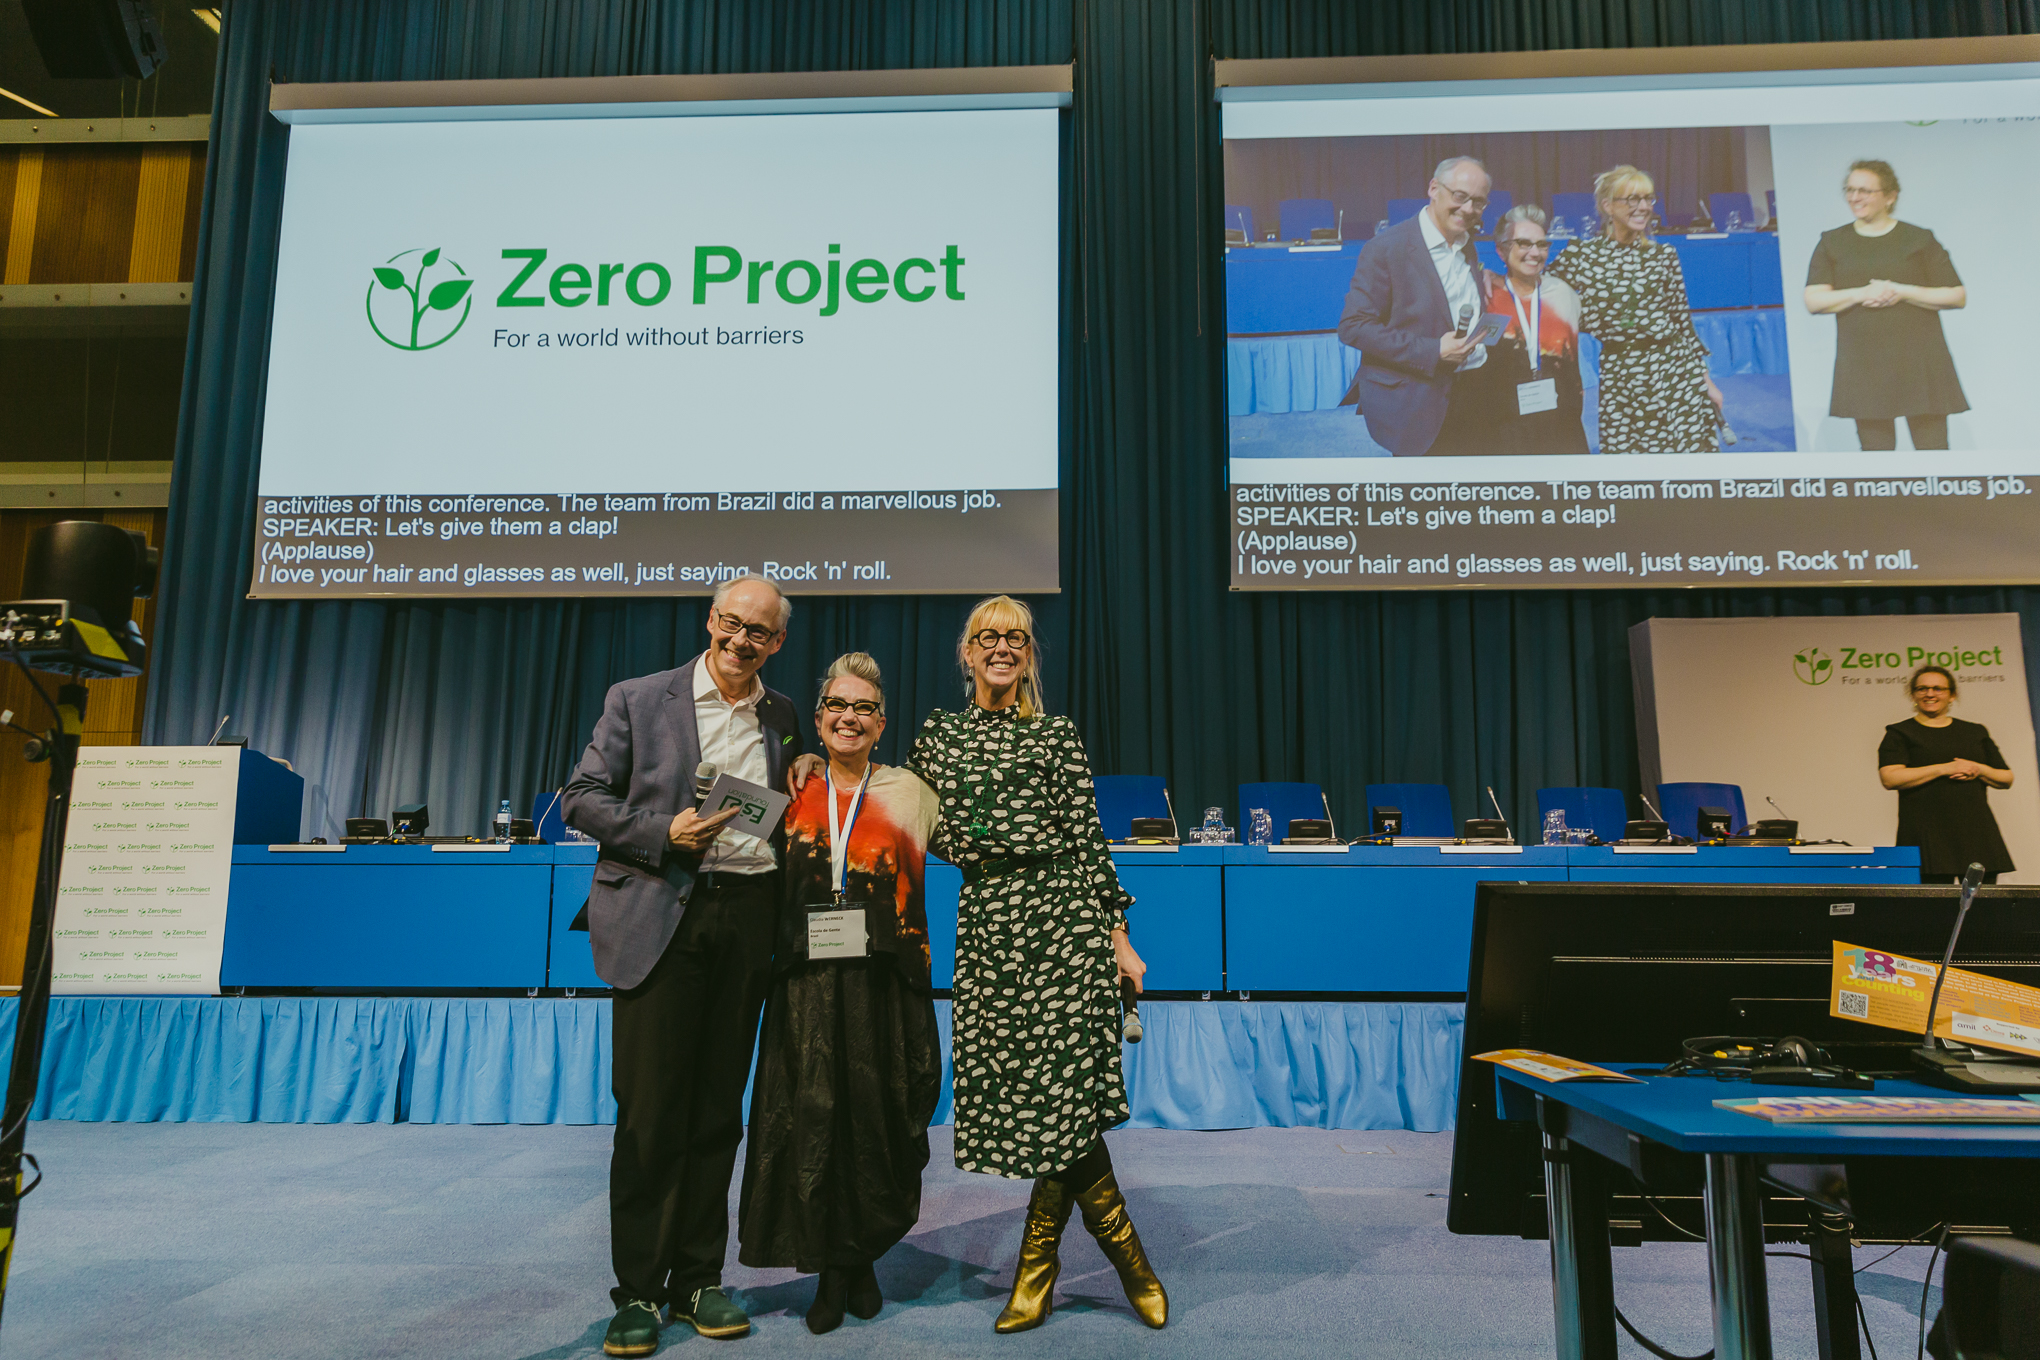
[[1239, 918], [1615, 1121], [1283, 289]]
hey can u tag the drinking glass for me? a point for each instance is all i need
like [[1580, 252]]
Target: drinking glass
[[1260, 827], [1554, 827]]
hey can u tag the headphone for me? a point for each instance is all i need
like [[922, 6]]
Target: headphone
[[1787, 1061]]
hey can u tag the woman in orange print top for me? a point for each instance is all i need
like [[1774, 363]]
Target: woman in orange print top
[[849, 1059], [1531, 381]]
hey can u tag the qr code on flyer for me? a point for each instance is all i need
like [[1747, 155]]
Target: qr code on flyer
[[1856, 1004]]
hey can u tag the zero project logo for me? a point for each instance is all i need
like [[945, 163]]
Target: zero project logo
[[409, 309], [1812, 667]]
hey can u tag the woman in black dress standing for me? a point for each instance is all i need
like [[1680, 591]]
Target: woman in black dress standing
[[1942, 768], [1886, 283]]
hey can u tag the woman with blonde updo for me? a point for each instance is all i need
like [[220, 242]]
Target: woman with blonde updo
[[1656, 396]]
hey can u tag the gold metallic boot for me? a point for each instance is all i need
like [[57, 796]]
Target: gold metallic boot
[[1034, 1277], [1104, 1210]]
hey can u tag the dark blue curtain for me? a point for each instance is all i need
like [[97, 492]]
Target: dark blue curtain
[[1166, 670]]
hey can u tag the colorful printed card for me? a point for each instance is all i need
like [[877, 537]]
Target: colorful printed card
[[1884, 1109], [1893, 991], [1549, 1066]]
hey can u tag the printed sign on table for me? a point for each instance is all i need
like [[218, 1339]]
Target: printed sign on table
[[1894, 991]]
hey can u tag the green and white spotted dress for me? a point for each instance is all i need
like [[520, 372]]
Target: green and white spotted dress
[[1035, 1010]]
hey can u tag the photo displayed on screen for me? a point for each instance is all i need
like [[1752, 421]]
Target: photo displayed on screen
[[1449, 315]]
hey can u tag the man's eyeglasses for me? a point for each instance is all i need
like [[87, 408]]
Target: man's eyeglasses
[[732, 625], [1930, 689], [1016, 638], [1638, 200], [863, 708], [1462, 199]]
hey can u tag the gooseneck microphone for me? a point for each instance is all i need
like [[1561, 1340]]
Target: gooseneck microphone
[[1775, 808], [1501, 815], [704, 780], [1971, 881], [1129, 1000]]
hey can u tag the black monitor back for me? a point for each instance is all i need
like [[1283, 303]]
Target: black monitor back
[[1621, 973]]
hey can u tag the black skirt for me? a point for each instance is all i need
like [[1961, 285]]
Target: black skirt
[[849, 1071]]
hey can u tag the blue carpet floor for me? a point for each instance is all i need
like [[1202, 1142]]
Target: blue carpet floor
[[180, 1241], [1759, 407]]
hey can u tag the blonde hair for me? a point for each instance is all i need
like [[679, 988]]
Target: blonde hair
[[852, 666], [1001, 613], [1612, 184]]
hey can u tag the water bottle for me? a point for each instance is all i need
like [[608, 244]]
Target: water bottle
[[1554, 827], [503, 823], [1213, 830], [1260, 827], [1734, 221]]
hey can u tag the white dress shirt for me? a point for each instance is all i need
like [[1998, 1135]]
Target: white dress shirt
[[1462, 289], [732, 737]]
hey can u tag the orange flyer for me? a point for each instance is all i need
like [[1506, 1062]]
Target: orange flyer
[[1549, 1066], [1894, 991]]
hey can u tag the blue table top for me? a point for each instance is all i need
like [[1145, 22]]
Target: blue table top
[[1679, 1112], [326, 856]]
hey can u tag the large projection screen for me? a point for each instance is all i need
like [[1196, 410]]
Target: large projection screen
[[1362, 458], [639, 348]]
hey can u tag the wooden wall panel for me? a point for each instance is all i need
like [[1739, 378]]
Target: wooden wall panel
[[21, 215], [113, 717], [123, 212], [158, 238], [85, 223]]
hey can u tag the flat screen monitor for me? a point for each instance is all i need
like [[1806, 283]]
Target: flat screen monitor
[[1622, 973]]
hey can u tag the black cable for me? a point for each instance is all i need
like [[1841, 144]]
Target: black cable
[[1653, 1346], [1671, 1222], [1921, 1349], [1864, 1318]]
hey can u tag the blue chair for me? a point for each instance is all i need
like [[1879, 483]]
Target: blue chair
[[1301, 215], [1123, 797], [1499, 202], [1403, 209], [1426, 808], [1574, 208], [1681, 804], [1602, 811], [1721, 205], [1239, 217], [545, 816], [1285, 803]]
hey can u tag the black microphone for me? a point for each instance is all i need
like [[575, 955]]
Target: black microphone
[[1465, 319], [1775, 808], [1129, 1000], [1501, 815], [704, 780], [1971, 881]]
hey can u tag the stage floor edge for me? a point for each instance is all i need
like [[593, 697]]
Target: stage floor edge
[[496, 1060]]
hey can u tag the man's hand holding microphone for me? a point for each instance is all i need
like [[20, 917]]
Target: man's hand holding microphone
[[1456, 346], [692, 832]]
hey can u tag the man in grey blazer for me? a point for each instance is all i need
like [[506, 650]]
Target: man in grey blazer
[[681, 918], [1412, 286]]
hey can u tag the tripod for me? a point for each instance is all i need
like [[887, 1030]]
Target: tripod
[[60, 748]]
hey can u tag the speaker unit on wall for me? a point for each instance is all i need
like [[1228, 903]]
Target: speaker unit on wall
[[96, 39]]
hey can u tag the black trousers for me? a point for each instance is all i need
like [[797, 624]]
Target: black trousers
[[1928, 432], [683, 1039]]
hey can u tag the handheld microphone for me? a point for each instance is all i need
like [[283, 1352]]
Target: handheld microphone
[[1465, 320], [1129, 1000], [1971, 880], [1502, 816], [704, 780]]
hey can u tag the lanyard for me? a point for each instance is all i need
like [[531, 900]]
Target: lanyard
[[1529, 326], [839, 838]]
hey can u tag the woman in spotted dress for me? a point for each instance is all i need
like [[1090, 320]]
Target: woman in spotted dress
[[1041, 946], [1655, 394]]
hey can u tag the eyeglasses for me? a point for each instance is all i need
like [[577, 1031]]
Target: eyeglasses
[[1016, 638], [1930, 689], [863, 708], [732, 625], [1541, 243], [1858, 191], [1637, 200], [1462, 199]]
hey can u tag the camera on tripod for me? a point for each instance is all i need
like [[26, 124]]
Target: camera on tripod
[[81, 580]]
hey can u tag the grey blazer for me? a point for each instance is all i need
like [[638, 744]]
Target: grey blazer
[[1395, 312], [635, 777]]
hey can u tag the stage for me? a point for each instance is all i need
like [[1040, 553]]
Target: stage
[[195, 1241]]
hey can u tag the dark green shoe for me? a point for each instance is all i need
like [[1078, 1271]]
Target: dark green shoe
[[711, 1313], [634, 1330]]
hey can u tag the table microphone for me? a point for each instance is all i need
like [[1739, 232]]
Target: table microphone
[[1775, 808], [704, 780], [1129, 1000], [1971, 880], [1503, 816]]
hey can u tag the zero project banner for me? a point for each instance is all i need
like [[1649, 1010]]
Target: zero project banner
[[620, 356], [1752, 359]]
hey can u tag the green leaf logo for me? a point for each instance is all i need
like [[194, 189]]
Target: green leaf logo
[[409, 311], [1812, 667]]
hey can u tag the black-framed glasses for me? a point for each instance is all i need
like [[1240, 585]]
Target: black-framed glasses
[[1930, 689], [1541, 243], [988, 638], [1637, 200], [732, 625], [1462, 199], [863, 708]]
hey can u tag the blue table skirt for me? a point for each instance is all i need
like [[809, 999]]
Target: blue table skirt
[[1277, 374], [436, 1060]]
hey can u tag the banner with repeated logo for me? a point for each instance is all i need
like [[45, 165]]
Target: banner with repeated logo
[[142, 901]]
